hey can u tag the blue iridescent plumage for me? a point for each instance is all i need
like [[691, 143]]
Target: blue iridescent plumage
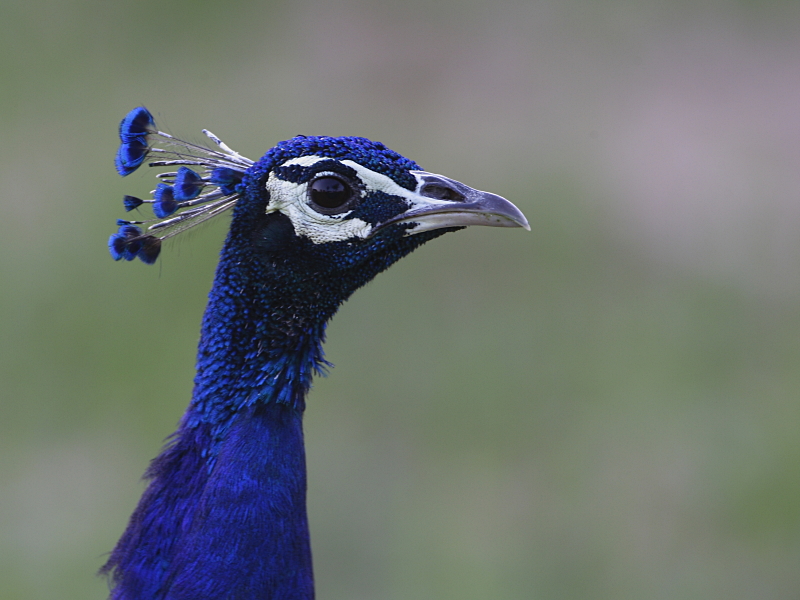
[[131, 202], [126, 243], [188, 184], [226, 179], [133, 132], [164, 203], [130, 156], [136, 125], [223, 516]]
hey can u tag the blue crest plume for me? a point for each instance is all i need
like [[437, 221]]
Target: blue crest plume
[[136, 125], [188, 184], [126, 243], [131, 202], [182, 199], [133, 132], [164, 203], [226, 179]]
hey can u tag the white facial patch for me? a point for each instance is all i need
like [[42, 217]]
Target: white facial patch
[[291, 199]]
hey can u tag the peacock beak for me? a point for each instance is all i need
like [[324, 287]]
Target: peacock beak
[[440, 202]]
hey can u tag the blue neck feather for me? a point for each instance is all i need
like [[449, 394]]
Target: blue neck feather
[[224, 515], [249, 532]]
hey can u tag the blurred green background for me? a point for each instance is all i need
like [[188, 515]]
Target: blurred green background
[[607, 407]]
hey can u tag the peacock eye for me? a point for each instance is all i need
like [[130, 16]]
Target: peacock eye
[[329, 193]]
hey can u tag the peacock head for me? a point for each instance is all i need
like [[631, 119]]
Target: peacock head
[[320, 205]]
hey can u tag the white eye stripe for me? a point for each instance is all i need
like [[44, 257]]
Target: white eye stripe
[[304, 161], [378, 181]]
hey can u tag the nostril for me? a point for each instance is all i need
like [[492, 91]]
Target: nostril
[[441, 192]]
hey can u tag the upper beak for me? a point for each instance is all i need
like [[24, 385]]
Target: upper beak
[[441, 202]]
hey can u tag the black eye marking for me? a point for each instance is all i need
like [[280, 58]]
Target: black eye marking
[[329, 194], [441, 192]]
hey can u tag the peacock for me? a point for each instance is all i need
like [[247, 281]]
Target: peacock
[[224, 514]]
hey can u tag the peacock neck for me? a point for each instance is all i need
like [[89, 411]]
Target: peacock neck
[[244, 528], [224, 515], [258, 351], [258, 346]]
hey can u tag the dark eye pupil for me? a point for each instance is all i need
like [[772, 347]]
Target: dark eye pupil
[[330, 192]]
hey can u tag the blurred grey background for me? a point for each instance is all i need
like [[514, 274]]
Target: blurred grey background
[[607, 407]]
